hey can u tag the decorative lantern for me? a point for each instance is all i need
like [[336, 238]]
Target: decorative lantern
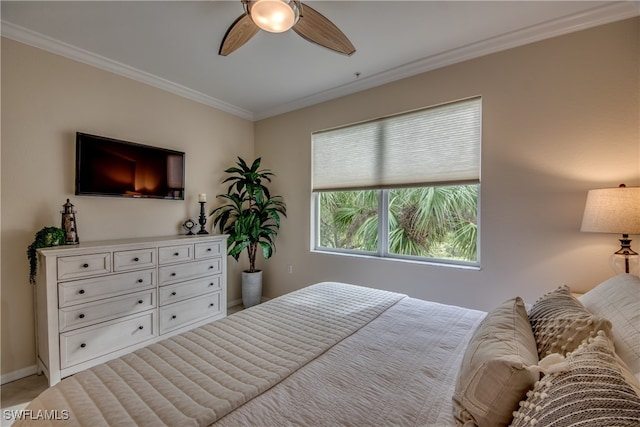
[[69, 224]]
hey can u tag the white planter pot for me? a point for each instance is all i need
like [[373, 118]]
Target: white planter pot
[[251, 288]]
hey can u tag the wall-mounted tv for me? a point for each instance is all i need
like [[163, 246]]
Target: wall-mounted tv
[[109, 167]]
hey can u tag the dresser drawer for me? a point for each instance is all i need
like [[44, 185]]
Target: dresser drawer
[[75, 267], [133, 260], [208, 249], [193, 270], [100, 311], [178, 253], [80, 291], [88, 343], [183, 313], [181, 291]]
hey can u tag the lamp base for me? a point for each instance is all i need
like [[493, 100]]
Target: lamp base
[[625, 260]]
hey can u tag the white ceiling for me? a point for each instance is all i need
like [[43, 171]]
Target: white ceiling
[[173, 44]]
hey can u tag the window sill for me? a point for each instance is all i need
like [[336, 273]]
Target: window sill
[[462, 265]]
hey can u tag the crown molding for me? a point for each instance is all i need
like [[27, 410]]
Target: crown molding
[[35, 39], [616, 11], [605, 14]]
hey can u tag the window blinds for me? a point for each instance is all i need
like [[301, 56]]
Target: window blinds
[[436, 145]]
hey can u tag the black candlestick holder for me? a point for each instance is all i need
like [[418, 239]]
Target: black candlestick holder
[[202, 220]]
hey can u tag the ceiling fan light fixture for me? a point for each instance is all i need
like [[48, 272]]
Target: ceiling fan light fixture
[[275, 16]]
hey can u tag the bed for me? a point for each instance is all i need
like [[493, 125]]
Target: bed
[[338, 354]]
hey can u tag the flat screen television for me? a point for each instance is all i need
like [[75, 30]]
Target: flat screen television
[[109, 167]]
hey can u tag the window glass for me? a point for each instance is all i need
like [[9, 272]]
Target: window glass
[[434, 222], [423, 222], [349, 220]]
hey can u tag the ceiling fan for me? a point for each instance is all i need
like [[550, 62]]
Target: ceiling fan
[[277, 16]]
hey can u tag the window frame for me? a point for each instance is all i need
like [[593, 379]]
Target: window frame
[[365, 139]]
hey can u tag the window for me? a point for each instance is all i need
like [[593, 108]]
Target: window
[[404, 186]]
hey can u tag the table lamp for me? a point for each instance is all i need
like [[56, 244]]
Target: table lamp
[[615, 210]]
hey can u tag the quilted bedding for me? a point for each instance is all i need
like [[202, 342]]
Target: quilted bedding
[[197, 377], [329, 354], [399, 370]]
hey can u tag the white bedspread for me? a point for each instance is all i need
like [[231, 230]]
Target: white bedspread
[[197, 377], [330, 354], [400, 369]]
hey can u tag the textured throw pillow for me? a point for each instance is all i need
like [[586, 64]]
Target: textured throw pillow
[[593, 392], [560, 322], [618, 299], [494, 375]]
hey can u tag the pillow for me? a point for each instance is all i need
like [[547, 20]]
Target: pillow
[[592, 392], [560, 322], [494, 375], [618, 299]]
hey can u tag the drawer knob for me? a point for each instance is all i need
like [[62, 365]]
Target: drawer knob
[[173, 294], [176, 253], [136, 259], [208, 249], [173, 274], [83, 345], [85, 265], [140, 280], [141, 327], [81, 315], [81, 291], [210, 267], [140, 301], [174, 316], [211, 284], [211, 305]]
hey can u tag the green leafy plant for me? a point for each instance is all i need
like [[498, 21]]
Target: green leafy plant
[[432, 222], [46, 237], [250, 215]]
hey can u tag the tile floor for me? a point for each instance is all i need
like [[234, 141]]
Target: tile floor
[[17, 394]]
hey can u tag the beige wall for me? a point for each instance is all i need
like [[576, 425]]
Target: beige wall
[[45, 100], [560, 117]]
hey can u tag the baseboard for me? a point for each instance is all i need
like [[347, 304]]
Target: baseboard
[[20, 373]]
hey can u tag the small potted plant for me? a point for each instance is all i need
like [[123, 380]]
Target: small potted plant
[[46, 237], [251, 218]]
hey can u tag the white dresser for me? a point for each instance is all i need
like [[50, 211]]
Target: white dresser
[[99, 300]]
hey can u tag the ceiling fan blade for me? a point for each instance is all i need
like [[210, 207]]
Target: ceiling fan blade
[[238, 34], [314, 27]]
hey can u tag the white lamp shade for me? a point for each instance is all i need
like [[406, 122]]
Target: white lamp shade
[[612, 210], [275, 16]]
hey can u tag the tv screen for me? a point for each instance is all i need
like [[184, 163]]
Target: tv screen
[[109, 167]]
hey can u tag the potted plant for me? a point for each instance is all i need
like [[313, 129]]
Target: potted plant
[[251, 218], [46, 237]]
